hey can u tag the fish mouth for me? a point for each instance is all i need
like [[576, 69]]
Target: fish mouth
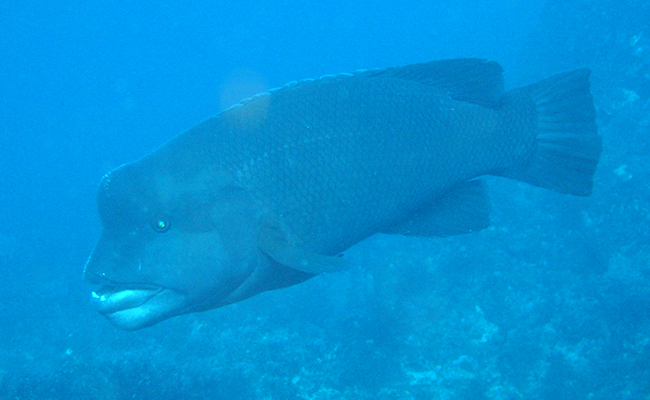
[[111, 299], [135, 306]]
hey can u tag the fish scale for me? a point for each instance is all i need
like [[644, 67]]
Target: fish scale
[[271, 191], [363, 152]]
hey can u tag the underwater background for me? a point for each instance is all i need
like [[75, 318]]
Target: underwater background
[[551, 302]]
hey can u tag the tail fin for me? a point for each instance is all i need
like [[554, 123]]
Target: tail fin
[[568, 145]]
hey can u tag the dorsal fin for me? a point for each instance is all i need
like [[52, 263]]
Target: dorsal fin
[[466, 79]]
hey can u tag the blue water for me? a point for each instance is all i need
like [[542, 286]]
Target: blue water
[[551, 302]]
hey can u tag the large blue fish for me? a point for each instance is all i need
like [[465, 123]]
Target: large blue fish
[[270, 192]]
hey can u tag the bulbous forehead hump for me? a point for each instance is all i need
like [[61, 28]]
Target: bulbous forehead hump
[[123, 197]]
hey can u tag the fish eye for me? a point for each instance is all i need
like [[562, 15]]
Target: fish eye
[[160, 224]]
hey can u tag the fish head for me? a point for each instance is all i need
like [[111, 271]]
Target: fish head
[[171, 244]]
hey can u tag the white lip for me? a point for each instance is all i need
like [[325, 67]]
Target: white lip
[[110, 299], [132, 307]]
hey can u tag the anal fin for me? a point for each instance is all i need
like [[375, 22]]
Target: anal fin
[[464, 209]]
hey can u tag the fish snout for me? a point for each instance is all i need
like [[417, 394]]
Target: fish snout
[[96, 278], [95, 270]]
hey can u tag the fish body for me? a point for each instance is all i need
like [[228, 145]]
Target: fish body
[[270, 192]]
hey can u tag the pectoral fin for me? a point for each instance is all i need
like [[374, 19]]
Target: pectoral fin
[[274, 243]]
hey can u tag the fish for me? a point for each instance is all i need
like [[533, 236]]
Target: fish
[[273, 190]]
